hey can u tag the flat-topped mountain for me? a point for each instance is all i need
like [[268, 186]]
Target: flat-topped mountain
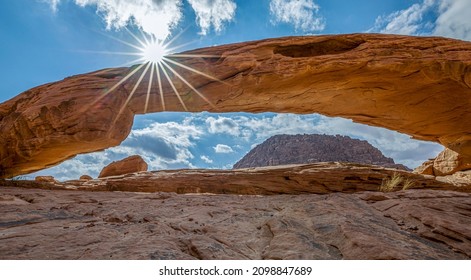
[[310, 148]]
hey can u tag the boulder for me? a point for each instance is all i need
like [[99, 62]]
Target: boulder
[[446, 163], [449, 162], [426, 168], [128, 165], [45, 179], [86, 178]]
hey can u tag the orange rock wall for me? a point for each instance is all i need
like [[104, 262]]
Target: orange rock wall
[[415, 85]]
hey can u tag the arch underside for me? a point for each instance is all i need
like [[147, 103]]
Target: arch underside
[[420, 86]]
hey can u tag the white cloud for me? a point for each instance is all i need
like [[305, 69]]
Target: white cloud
[[170, 145], [213, 13], [54, 4], [222, 125], [223, 149], [156, 17], [303, 14], [451, 19], [255, 129], [206, 159], [406, 22], [159, 17], [454, 19], [163, 145]]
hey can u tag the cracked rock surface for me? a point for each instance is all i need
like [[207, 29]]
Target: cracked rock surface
[[59, 224]]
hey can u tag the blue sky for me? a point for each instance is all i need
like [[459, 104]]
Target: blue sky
[[47, 40]]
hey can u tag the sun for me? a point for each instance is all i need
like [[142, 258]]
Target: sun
[[158, 61], [153, 52]]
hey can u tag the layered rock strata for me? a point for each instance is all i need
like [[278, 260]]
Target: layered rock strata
[[318, 178]]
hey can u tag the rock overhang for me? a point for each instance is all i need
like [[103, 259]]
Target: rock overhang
[[420, 86]]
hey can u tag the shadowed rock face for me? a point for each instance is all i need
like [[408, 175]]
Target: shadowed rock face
[[415, 85]]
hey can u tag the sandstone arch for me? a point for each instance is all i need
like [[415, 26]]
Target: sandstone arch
[[416, 85]]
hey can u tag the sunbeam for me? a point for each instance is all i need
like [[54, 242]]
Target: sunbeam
[[149, 86], [193, 70], [132, 91], [101, 96], [188, 84], [158, 56], [160, 87], [174, 88]]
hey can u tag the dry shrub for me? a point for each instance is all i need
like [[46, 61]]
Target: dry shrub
[[394, 182]]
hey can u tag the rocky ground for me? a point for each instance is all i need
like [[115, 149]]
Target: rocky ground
[[412, 224], [316, 178], [315, 211]]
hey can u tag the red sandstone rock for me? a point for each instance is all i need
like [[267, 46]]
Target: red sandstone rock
[[446, 163], [415, 85], [45, 179], [85, 178], [426, 168], [128, 165], [449, 162], [318, 178], [412, 224]]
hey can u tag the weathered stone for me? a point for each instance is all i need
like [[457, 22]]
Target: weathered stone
[[128, 165], [449, 162], [426, 168], [319, 178], [45, 179], [414, 85], [85, 177], [412, 224]]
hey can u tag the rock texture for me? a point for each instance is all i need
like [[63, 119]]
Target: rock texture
[[130, 164], [46, 179], [413, 224], [416, 85], [446, 163], [299, 149], [319, 178], [85, 177]]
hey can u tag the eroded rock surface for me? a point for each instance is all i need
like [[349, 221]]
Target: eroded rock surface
[[125, 166], [412, 224], [318, 178], [416, 85], [449, 167]]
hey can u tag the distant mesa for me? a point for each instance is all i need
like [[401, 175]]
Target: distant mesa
[[312, 148], [128, 165]]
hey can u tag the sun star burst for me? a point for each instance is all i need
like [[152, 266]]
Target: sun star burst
[[153, 52], [159, 58]]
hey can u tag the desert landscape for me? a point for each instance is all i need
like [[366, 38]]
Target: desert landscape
[[313, 211], [298, 196]]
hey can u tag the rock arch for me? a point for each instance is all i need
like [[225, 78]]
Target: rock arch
[[415, 85]]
